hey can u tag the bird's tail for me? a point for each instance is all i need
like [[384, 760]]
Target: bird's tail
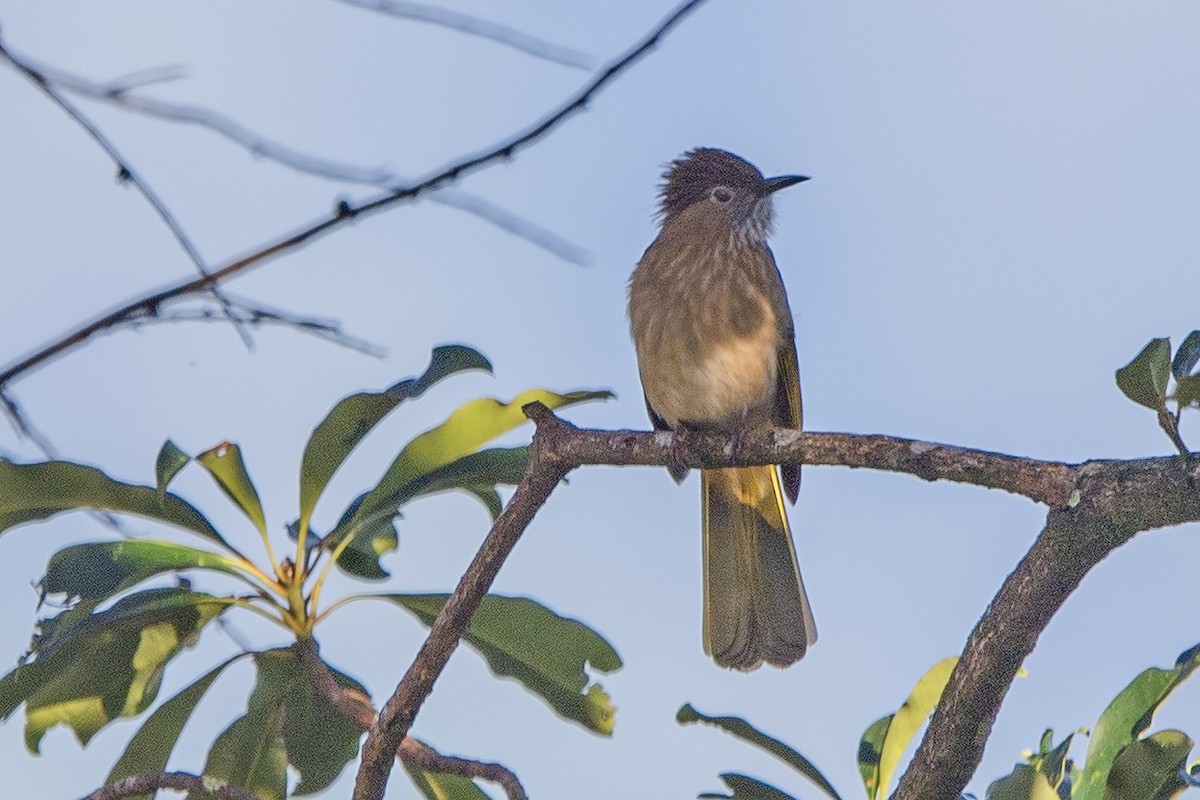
[[755, 607]]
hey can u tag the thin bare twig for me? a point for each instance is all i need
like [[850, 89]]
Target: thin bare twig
[[475, 26], [119, 93], [125, 173], [148, 305], [254, 315], [150, 782]]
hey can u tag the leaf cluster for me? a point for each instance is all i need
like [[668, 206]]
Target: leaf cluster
[[103, 656]]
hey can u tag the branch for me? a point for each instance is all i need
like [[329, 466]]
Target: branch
[[1047, 482], [1117, 500], [475, 26], [357, 707], [118, 92], [546, 469], [421, 756], [150, 782], [345, 211], [125, 172], [1094, 508]]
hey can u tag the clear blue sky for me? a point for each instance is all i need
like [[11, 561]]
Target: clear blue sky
[[1003, 211]]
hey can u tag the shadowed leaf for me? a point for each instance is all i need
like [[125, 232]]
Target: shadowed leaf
[[31, 492], [1149, 768], [170, 460], [548, 654], [250, 752], [1127, 716], [1025, 782], [1144, 380], [1186, 356], [743, 787], [98, 570], [747, 732]]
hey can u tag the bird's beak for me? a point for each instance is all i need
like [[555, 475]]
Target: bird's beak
[[782, 182]]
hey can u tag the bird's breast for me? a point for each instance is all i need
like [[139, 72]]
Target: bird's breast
[[707, 341]]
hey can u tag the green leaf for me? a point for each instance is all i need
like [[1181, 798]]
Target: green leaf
[[870, 748], [747, 732], [1144, 380], [98, 570], [471, 426], [250, 753], [743, 787], [443, 786], [287, 721], [905, 723], [355, 416], [1054, 763], [170, 460], [1187, 390], [548, 654], [1186, 356], [320, 739], [151, 746], [224, 462], [1149, 768], [1127, 716], [89, 669], [31, 492], [1025, 782]]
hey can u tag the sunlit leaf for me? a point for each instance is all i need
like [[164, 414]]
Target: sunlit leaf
[[151, 746], [908, 719], [91, 668], [31, 492], [743, 787], [548, 654], [1148, 769], [747, 732], [1025, 782], [471, 426], [224, 462], [99, 570], [1127, 716], [1186, 356], [355, 416], [170, 460], [1144, 380]]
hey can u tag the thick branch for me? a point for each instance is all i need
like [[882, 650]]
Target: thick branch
[[1116, 501], [396, 718], [1048, 482]]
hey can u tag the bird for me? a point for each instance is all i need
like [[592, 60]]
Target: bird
[[716, 352]]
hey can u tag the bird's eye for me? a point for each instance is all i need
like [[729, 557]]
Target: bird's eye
[[722, 195]]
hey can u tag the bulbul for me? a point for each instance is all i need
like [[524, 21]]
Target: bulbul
[[716, 351]]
